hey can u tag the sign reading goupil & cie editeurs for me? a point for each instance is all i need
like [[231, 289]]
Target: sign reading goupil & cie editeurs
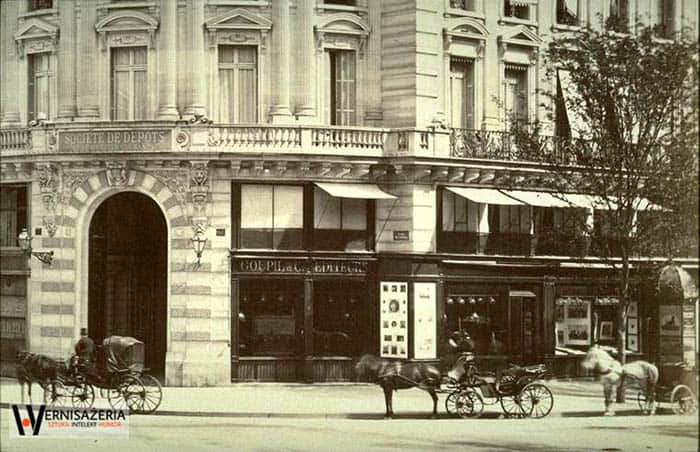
[[300, 266], [114, 140]]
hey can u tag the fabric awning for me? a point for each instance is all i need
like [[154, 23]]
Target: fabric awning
[[589, 201], [485, 196], [537, 198], [357, 191], [521, 293]]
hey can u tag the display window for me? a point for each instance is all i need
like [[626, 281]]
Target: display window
[[340, 224], [270, 317], [272, 216], [584, 320], [483, 316], [340, 318]]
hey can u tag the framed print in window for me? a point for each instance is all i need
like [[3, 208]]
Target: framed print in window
[[632, 310], [632, 326], [578, 334], [606, 330]]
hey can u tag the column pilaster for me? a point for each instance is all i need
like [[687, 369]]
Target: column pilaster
[[491, 69], [373, 115], [167, 67], [66, 60], [280, 53], [88, 105], [9, 88], [306, 65], [197, 69]]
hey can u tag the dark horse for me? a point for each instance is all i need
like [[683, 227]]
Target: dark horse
[[394, 375], [34, 368]]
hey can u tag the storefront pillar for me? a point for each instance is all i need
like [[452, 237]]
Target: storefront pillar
[[548, 300], [308, 330], [235, 337]]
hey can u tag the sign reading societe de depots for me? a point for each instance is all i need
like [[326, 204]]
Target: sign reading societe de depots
[[115, 140], [300, 266]]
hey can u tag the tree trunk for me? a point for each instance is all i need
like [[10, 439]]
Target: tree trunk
[[621, 329]]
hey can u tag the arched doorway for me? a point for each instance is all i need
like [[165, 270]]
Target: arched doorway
[[127, 268]]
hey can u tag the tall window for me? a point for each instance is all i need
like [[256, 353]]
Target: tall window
[[272, 216], [568, 12], [237, 84], [665, 19], [467, 5], [462, 92], [516, 99], [519, 9], [458, 213], [339, 223], [39, 90], [35, 5], [129, 83], [619, 15], [509, 219], [13, 213], [341, 104]]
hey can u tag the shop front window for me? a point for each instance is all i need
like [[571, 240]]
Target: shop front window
[[340, 318], [270, 318], [272, 216], [484, 317], [582, 321]]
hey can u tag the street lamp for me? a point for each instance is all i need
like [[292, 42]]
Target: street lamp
[[198, 242], [24, 240]]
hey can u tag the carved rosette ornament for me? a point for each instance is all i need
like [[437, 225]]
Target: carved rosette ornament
[[199, 188], [49, 184]]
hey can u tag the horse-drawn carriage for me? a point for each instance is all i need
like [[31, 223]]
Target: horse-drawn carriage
[[119, 375], [677, 385], [518, 390]]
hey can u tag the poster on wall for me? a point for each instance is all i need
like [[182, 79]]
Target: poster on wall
[[670, 320], [393, 319], [424, 325]]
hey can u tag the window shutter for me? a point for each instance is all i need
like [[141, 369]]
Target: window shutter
[[31, 94], [457, 94], [469, 96], [328, 101]]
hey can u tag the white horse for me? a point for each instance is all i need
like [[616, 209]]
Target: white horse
[[613, 374]]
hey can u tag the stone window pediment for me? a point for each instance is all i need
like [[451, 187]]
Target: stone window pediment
[[238, 26], [127, 28], [343, 31], [522, 36], [35, 36], [465, 30]]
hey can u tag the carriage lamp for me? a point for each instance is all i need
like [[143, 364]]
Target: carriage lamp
[[24, 240], [198, 242]]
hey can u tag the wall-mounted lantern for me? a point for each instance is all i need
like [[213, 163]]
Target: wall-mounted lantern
[[24, 240], [198, 243]]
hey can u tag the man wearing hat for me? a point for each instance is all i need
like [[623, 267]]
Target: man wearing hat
[[84, 358]]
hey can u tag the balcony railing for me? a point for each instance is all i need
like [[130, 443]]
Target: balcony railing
[[513, 244], [166, 136], [15, 139]]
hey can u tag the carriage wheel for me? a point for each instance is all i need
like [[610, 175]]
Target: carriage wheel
[[58, 397], [125, 393], [469, 404], [450, 403], [683, 401], [514, 406], [83, 396], [539, 397], [152, 394]]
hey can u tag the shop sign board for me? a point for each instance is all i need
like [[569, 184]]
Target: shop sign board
[[293, 266], [402, 236], [115, 140], [424, 325], [393, 319]]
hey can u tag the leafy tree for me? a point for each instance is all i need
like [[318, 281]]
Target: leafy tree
[[627, 126]]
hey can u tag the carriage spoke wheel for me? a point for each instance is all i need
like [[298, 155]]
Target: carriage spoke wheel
[[539, 397], [58, 396], [151, 395], [469, 404], [83, 396], [514, 406], [124, 394], [683, 401], [450, 403]]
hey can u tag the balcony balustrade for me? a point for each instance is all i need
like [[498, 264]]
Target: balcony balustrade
[[360, 141]]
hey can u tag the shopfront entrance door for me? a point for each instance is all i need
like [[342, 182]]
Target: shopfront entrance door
[[526, 326], [127, 274]]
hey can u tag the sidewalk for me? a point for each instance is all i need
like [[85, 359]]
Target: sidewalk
[[351, 400]]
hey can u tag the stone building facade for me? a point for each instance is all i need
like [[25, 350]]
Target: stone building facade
[[332, 157]]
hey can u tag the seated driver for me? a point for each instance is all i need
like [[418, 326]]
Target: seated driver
[[84, 358]]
